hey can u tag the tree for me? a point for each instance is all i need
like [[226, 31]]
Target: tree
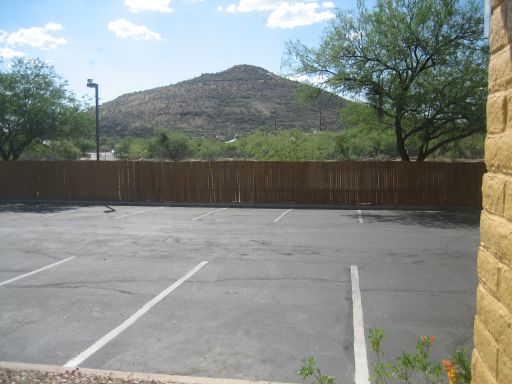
[[55, 150], [130, 148], [422, 63], [309, 95], [165, 145], [365, 135], [35, 105]]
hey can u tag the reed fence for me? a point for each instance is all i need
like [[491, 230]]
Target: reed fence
[[390, 183]]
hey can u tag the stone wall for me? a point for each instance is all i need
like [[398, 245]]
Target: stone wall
[[492, 356]]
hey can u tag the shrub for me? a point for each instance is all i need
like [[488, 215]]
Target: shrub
[[309, 370], [132, 149], [417, 367], [167, 145], [54, 150], [206, 149]]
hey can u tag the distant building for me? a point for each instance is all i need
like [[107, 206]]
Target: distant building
[[109, 156]]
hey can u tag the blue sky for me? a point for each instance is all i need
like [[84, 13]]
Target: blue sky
[[133, 45]]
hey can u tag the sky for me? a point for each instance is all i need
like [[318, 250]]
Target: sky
[[134, 45]]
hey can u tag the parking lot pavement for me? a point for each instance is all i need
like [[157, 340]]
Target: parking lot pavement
[[276, 287]]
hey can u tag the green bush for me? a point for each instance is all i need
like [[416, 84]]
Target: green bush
[[415, 368], [169, 145], [130, 148], [366, 136], [309, 370], [362, 142], [287, 145], [54, 150], [206, 149], [408, 368]]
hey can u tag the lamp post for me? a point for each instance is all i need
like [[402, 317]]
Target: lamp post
[[91, 84]]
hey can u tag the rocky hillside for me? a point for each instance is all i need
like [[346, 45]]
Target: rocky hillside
[[223, 105]]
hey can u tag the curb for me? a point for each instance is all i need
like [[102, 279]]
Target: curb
[[175, 379]]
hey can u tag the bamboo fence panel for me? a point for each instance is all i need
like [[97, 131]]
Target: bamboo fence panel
[[386, 183]]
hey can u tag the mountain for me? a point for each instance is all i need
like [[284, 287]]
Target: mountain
[[223, 105]]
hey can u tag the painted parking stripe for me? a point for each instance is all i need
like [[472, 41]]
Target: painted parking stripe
[[136, 213], [131, 320], [360, 359], [36, 271], [63, 213], [282, 215], [360, 214], [208, 214]]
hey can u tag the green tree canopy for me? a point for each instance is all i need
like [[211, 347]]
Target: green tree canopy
[[169, 145], [422, 63], [35, 105]]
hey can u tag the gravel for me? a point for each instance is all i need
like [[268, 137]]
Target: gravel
[[15, 376]]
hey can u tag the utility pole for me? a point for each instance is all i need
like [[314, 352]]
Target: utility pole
[[91, 84]]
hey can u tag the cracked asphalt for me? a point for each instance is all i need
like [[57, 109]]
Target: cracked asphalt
[[271, 294]]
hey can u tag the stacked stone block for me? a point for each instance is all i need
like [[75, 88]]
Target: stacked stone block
[[492, 355]]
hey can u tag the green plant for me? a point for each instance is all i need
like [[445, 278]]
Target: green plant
[[130, 148], [287, 145], [52, 150], [417, 367], [36, 108], [458, 368], [206, 149], [169, 145], [422, 64], [309, 370]]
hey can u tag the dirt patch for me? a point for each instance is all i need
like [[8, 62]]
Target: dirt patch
[[15, 376]]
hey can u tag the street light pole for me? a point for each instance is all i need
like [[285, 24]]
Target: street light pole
[[91, 84]]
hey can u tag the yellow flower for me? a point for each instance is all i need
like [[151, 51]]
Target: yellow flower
[[450, 371]]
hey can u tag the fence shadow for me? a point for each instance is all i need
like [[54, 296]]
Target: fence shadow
[[42, 208], [446, 219]]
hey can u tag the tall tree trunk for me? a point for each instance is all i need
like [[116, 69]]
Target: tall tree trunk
[[421, 156], [400, 142], [4, 155]]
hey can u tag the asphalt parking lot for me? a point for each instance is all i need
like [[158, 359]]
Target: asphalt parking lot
[[229, 292]]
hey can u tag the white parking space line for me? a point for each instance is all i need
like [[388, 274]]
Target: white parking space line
[[282, 215], [360, 214], [136, 213], [131, 320], [63, 213], [361, 361], [208, 214], [36, 271]]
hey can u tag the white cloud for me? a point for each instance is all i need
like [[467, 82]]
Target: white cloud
[[258, 5], [8, 53], [3, 35], [53, 27], [316, 80], [148, 5], [297, 15], [37, 37], [231, 8], [123, 28], [286, 13]]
